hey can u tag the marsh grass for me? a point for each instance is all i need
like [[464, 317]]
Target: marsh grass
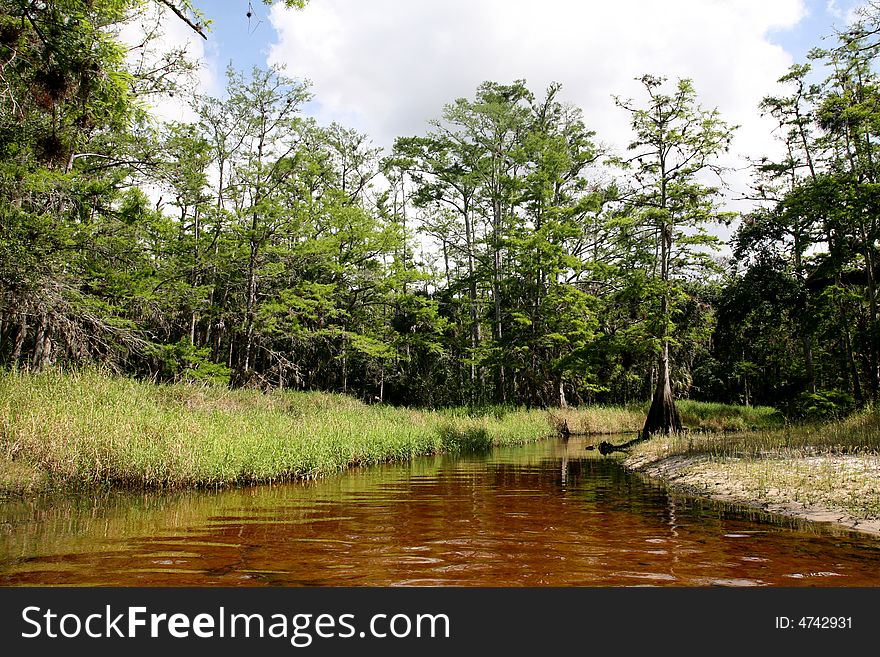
[[709, 417], [90, 429], [834, 465], [840, 481], [855, 434], [696, 416], [87, 428]]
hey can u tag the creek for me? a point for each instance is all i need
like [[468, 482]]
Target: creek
[[546, 514]]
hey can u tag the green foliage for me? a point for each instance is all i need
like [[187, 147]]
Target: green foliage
[[811, 252], [183, 363], [822, 405], [492, 259]]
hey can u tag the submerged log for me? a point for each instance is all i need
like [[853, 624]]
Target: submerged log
[[606, 448]]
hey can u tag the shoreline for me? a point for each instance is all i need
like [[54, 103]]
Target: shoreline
[[87, 429], [782, 488]]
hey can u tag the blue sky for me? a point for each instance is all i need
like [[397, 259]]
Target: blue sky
[[821, 20], [236, 38]]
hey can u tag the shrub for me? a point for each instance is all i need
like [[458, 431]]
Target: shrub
[[822, 405]]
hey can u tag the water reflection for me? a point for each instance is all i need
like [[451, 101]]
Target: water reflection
[[541, 515]]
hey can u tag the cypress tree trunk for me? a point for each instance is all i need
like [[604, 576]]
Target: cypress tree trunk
[[477, 375], [663, 416], [19, 341], [806, 334], [500, 381]]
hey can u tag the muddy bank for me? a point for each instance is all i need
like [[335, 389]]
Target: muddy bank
[[839, 489]]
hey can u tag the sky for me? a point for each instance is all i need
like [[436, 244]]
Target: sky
[[386, 67]]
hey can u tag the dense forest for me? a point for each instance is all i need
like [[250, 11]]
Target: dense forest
[[503, 256]]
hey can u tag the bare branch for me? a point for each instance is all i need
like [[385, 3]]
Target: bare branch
[[197, 27]]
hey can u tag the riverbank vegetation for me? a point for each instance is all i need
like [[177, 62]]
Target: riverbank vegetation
[[697, 417], [828, 471], [91, 429], [501, 257], [855, 433], [323, 294]]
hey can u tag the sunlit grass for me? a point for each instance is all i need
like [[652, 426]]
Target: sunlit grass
[[833, 466], [87, 429], [696, 416], [858, 433]]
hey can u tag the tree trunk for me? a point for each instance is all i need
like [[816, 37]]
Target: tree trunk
[[500, 383], [245, 367], [19, 341], [42, 345], [251, 307], [873, 377], [663, 416], [851, 365], [806, 335], [807, 344], [476, 338]]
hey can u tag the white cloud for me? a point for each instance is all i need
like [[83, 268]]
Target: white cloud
[[386, 67], [845, 14], [392, 64], [834, 9]]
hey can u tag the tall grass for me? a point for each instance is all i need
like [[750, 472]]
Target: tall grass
[[710, 416], [831, 466], [87, 429], [696, 416], [858, 433]]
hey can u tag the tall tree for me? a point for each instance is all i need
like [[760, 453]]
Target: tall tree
[[440, 169], [788, 215], [676, 143], [68, 152], [849, 115], [264, 139]]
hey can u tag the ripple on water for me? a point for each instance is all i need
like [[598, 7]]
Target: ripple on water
[[514, 517], [735, 582], [660, 577]]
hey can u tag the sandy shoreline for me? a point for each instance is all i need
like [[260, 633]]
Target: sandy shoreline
[[840, 489]]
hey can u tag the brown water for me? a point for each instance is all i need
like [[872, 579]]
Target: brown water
[[540, 515]]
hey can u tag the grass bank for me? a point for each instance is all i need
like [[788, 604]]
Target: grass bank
[[828, 472], [88, 429], [698, 417]]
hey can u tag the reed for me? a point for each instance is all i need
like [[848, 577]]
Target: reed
[[696, 416], [86, 428], [831, 466]]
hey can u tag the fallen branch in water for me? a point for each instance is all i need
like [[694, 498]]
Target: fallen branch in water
[[606, 448]]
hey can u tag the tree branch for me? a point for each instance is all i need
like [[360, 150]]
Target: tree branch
[[197, 27]]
